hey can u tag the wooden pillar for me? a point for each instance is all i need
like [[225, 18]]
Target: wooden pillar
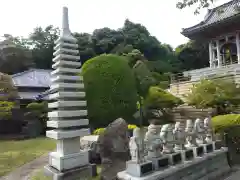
[[238, 47], [210, 54], [218, 54]]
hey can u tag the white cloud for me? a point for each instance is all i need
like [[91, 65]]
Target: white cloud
[[161, 17]]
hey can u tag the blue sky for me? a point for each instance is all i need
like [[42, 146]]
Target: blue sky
[[161, 17]]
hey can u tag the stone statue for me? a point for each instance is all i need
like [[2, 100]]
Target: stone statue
[[167, 138], [153, 141], [200, 131], [113, 147], [180, 136], [136, 147], [190, 134], [208, 130]]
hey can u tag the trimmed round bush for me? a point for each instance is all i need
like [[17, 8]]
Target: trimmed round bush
[[224, 122], [110, 89]]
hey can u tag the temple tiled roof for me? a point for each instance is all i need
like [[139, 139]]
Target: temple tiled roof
[[216, 15], [32, 78]]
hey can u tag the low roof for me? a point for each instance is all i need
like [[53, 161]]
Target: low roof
[[32, 78], [214, 16]]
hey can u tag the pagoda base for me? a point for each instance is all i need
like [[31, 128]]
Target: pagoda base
[[66, 162], [83, 172]]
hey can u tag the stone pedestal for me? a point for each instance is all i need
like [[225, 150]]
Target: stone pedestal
[[139, 169], [83, 172], [175, 158], [160, 162], [188, 155]]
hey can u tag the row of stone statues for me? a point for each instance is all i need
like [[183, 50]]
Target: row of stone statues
[[170, 139]]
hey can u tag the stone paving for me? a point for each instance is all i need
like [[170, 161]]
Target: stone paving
[[24, 172]]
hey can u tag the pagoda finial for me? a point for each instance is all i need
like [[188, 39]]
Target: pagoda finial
[[65, 24]]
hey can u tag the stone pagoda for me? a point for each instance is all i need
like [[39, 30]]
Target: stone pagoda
[[221, 29], [68, 115]]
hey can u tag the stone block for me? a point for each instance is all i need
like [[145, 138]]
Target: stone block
[[175, 158], [139, 169], [160, 162], [66, 162], [188, 154], [82, 173]]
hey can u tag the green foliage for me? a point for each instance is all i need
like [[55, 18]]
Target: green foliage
[[13, 58], [7, 90], [102, 130], [5, 109], [224, 122], [160, 99], [40, 111], [99, 131], [144, 78], [110, 89], [214, 93], [192, 55], [200, 4]]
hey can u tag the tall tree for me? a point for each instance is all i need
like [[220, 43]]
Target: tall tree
[[85, 46], [13, 58], [192, 55], [42, 41]]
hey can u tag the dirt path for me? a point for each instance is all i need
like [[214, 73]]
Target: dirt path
[[23, 172]]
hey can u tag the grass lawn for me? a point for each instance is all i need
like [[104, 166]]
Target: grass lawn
[[16, 153], [39, 175]]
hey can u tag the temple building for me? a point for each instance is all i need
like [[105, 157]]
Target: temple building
[[31, 84], [221, 29]]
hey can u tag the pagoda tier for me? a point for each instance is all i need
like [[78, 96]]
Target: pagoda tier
[[69, 114]]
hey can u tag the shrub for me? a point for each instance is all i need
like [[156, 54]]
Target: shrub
[[132, 126], [224, 122], [110, 89], [7, 89], [6, 109], [39, 110], [219, 93], [160, 99], [99, 131]]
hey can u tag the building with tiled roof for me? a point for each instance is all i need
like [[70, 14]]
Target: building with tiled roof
[[32, 83], [221, 29]]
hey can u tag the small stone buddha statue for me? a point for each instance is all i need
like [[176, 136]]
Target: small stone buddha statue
[[208, 130], [153, 141], [190, 134], [180, 136], [200, 131], [167, 138], [136, 146]]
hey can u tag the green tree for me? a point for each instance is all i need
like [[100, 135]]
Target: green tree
[[110, 89], [13, 58], [7, 89], [158, 98], [85, 46], [217, 93], [192, 55], [42, 42]]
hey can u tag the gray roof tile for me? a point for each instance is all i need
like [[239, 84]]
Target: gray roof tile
[[218, 14]]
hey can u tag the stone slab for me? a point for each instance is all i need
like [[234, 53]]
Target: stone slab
[[201, 168], [82, 173]]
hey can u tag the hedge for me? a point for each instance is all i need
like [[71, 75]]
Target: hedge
[[110, 89], [224, 122]]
